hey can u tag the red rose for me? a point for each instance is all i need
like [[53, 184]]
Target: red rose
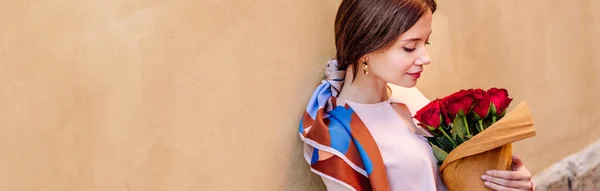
[[477, 93], [449, 120], [459, 103], [500, 100], [481, 107], [430, 116], [460, 93]]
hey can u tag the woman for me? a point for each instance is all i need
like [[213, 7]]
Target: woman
[[357, 128]]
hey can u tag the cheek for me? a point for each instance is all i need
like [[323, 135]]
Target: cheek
[[399, 62]]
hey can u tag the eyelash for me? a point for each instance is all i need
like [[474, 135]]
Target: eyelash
[[413, 49]]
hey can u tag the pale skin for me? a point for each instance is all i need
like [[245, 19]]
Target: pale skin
[[401, 64]]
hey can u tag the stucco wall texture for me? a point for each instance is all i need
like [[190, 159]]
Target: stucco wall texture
[[207, 95]]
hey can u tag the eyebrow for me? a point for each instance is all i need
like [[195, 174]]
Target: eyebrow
[[417, 39], [412, 39]]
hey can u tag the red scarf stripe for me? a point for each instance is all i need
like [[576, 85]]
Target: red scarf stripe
[[340, 170], [307, 121], [378, 176], [353, 155], [319, 132]]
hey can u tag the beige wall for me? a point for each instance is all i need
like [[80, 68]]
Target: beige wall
[[206, 95]]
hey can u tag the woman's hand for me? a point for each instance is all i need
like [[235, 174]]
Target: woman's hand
[[517, 179]]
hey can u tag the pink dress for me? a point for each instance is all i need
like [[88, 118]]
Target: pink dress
[[407, 156]]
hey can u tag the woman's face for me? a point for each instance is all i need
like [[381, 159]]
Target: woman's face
[[402, 63]]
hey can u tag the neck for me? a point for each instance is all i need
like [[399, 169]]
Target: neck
[[366, 89]]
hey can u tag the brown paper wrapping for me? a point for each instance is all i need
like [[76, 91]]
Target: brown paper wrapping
[[488, 150]]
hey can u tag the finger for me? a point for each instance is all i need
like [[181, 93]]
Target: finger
[[497, 187], [517, 184], [510, 175]]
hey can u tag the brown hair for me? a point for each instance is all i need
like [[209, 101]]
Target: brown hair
[[364, 26]]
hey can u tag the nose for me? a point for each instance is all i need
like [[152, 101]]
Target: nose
[[423, 58]]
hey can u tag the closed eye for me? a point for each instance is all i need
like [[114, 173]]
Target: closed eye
[[409, 49]]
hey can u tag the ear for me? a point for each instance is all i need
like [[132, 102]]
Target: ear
[[364, 58]]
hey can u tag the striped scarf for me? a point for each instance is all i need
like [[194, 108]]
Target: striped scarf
[[340, 145]]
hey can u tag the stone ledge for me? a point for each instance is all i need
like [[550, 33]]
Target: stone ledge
[[580, 171]]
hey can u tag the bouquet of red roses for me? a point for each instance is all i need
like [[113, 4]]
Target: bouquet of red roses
[[472, 133]]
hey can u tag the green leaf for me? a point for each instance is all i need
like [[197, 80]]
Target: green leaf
[[487, 123], [493, 109], [475, 116], [439, 154], [458, 128], [444, 143], [469, 137]]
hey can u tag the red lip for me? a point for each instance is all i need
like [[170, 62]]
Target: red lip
[[416, 74]]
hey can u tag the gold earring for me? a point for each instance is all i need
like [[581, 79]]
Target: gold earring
[[366, 68]]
